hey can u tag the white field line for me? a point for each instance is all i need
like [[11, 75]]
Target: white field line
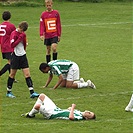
[[48, 122], [70, 98], [95, 24]]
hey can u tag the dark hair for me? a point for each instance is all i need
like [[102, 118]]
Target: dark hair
[[23, 25], [43, 66], [94, 117], [6, 15]]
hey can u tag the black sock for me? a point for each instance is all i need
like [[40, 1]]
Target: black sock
[[54, 56], [31, 91], [48, 58], [29, 84], [9, 84], [4, 69]]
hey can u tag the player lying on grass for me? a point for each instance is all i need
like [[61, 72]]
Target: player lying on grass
[[67, 72], [45, 106], [129, 107]]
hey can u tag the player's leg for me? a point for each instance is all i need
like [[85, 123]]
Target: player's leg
[[13, 69], [6, 67], [48, 55], [44, 105], [48, 50], [81, 80], [10, 83], [54, 42], [73, 75], [29, 82], [36, 106], [130, 105], [26, 71], [63, 83], [54, 48]]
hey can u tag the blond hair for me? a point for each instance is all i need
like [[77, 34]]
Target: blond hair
[[48, 1]]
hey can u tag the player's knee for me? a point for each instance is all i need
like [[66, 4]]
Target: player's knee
[[42, 96], [37, 106], [68, 86]]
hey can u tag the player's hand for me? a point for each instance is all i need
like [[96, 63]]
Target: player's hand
[[42, 38], [58, 38], [73, 105]]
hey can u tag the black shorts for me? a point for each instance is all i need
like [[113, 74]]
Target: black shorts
[[7, 55], [49, 41], [19, 62]]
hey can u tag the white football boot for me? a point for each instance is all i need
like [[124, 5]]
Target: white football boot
[[90, 84], [128, 109]]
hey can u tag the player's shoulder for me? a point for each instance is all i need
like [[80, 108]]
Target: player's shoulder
[[9, 24], [12, 24], [44, 12], [15, 32], [5, 23], [56, 11]]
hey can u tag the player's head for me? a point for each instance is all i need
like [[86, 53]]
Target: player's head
[[23, 26], [49, 4], [44, 67], [6, 15], [88, 115]]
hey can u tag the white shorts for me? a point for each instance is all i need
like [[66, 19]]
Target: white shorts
[[73, 73], [47, 107]]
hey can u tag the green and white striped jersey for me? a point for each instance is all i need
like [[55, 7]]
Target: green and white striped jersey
[[60, 66], [64, 114]]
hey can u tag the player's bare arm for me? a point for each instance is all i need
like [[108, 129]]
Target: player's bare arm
[[48, 81], [59, 81], [71, 115]]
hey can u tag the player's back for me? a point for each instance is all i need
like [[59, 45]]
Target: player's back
[[62, 65], [6, 28]]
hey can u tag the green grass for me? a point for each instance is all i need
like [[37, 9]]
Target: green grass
[[98, 37]]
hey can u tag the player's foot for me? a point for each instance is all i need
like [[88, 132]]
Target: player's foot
[[27, 115], [33, 95], [81, 80], [10, 95], [90, 84], [128, 109]]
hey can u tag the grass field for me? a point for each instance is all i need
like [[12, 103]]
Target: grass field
[[98, 37]]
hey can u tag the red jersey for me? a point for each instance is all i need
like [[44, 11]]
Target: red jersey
[[16, 38], [6, 29], [50, 24]]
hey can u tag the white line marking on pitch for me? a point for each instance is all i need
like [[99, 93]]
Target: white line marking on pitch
[[95, 24], [47, 122], [70, 98]]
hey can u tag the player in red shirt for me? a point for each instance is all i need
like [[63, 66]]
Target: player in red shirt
[[19, 60], [50, 29], [6, 29]]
